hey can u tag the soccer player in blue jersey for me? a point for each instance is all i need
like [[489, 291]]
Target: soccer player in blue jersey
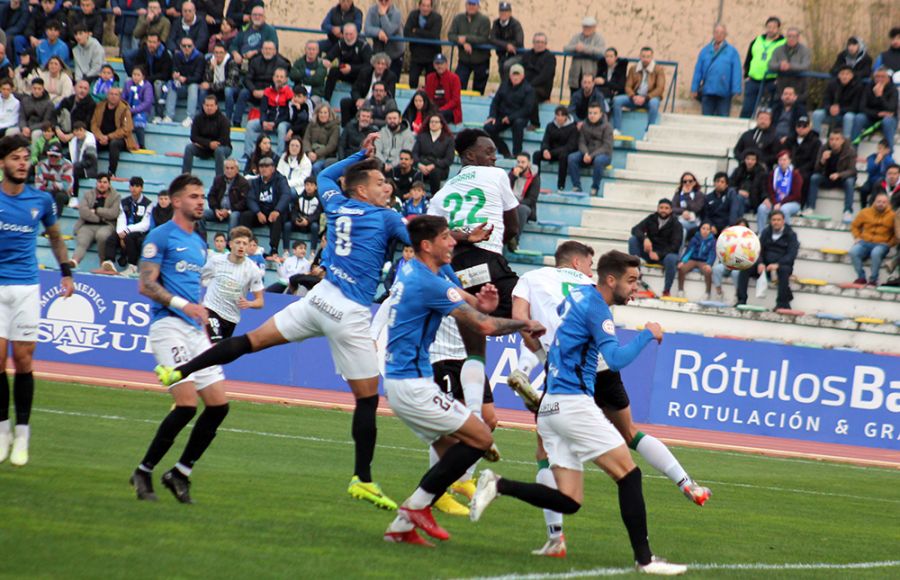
[[172, 259], [360, 231], [422, 295], [573, 428], [23, 209]]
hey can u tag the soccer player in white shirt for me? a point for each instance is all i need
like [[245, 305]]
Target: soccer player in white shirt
[[229, 278]]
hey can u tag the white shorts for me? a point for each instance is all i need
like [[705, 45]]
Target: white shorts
[[428, 411], [175, 342], [575, 430], [20, 312], [325, 311]]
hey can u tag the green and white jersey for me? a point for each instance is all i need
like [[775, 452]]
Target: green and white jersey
[[476, 195], [545, 289]]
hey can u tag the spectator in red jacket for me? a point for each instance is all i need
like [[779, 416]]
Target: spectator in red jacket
[[444, 90]]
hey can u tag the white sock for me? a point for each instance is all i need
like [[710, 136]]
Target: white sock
[[184, 469], [144, 469], [23, 432], [432, 457], [527, 359], [4, 426], [472, 378], [553, 519], [658, 455], [470, 473], [420, 499], [400, 524]]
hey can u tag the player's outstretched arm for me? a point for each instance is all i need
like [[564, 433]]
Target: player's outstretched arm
[[521, 310], [491, 326], [61, 253], [328, 178], [619, 357], [486, 300], [149, 286]]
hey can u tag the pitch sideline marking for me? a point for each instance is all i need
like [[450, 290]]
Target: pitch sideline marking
[[415, 450]]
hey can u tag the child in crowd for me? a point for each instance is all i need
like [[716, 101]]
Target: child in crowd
[[294, 265], [104, 82], [417, 204], [700, 255]]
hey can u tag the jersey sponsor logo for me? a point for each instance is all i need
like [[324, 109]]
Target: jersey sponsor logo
[[548, 409], [609, 327], [21, 228], [339, 273], [150, 250], [453, 295], [185, 266]]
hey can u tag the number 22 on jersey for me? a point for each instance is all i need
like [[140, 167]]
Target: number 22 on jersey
[[455, 204]]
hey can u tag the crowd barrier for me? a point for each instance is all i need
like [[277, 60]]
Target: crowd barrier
[[692, 381]]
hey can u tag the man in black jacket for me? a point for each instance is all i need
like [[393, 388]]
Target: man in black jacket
[[227, 196], [540, 70], [560, 139], [333, 25], [657, 239], [80, 107], [724, 207], [804, 147], [377, 71], [210, 137], [785, 112], [157, 62], [422, 23], [760, 138], [187, 74], [841, 103], [510, 109], [307, 211], [779, 246], [749, 179], [268, 204], [346, 59], [509, 37], [353, 134], [611, 74], [259, 76], [580, 100], [878, 103]]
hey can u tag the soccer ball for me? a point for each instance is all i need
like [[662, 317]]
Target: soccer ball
[[737, 248]]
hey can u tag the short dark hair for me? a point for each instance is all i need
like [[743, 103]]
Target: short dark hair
[[52, 25], [79, 28], [164, 192], [665, 201], [774, 19], [615, 263], [149, 34], [139, 67], [879, 193], [836, 131], [612, 49], [37, 81], [466, 138], [892, 166], [406, 151], [11, 143], [417, 185], [300, 90], [886, 143], [646, 48], [312, 180], [136, 180], [181, 182], [102, 175], [569, 249], [844, 67], [6, 81], [595, 105], [240, 232], [425, 228], [75, 125], [895, 31], [218, 234], [561, 110], [298, 244], [720, 175], [776, 212], [211, 97], [358, 174]]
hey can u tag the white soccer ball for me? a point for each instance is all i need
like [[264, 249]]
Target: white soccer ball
[[737, 248]]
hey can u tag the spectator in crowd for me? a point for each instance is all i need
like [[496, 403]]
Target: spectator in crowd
[[700, 254], [210, 137], [717, 75], [268, 204], [274, 112], [42, 13], [87, 54], [55, 175], [299, 113], [7, 69], [877, 165], [377, 71], [57, 82], [434, 150], [151, 22], [138, 95], [262, 149], [384, 21], [785, 113], [15, 21], [308, 212], [509, 38], [346, 59], [406, 256], [227, 33], [560, 139], [804, 147], [470, 29], [760, 81], [113, 127], [9, 109], [294, 166], [645, 87], [48, 137], [52, 45], [393, 138], [855, 57], [104, 82], [595, 149], [294, 265], [785, 191], [27, 71], [126, 24], [526, 186], [221, 79], [841, 102], [161, 211], [891, 186], [354, 133], [417, 111], [259, 76], [445, 90], [227, 196], [321, 139], [83, 153], [344, 12], [416, 204], [79, 106], [98, 211], [612, 72], [404, 174], [157, 61], [890, 58], [309, 71], [511, 108], [657, 239], [688, 203], [190, 25], [35, 109], [836, 168], [248, 41], [724, 205], [423, 23], [878, 103], [788, 59], [579, 101], [240, 11], [874, 236], [188, 69], [132, 225], [719, 270], [540, 70], [760, 139], [88, 17], [778, 251], [590, 47]]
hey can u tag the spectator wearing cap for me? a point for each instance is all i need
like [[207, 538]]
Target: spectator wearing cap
[[309, 70], [98, 212], [657, 239], [749, 180], [423, 23], [509, 38], [268, 204], [645, 88], [469, 29], [55, 175], [384, 21], [612, 72], [760, 139], [444, 89], [778, 251], [878, 104], [35, 109], [856, 57], [877, 165], [377, 71], [788, 59], [841, 101], [874, 236], [540, 70], [132, 225], [785, 191], [560, 139], [785, 112], [344, 12], [760, 80], [589, 47], [717, 75], [595, 149], [724, 206], [511, 108], [835, 168], [346, 59], [210, 137], [804, 147]]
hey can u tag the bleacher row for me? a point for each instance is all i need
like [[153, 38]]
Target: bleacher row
[[646, 166]]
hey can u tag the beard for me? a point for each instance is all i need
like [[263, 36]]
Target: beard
[[393, 126], [15, 180]]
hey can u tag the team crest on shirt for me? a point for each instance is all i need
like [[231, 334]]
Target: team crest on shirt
[[149, 251], [609, 327], [453, 295], [34, 213]]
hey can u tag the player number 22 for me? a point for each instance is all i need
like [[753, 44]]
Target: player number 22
[[454, 204], [343, 245]]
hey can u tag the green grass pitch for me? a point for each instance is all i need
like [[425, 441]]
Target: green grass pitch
[[272, 502]]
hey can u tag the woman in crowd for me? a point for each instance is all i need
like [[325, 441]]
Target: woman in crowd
[[417, 111], [321, 139], [434, 151], [262, 149], [294, 165], [57, 80]]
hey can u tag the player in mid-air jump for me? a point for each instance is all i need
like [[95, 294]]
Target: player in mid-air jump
[[23, 209], [360, 231]]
